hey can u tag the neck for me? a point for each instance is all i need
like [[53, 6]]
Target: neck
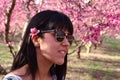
[[44, 66], [42, 76]]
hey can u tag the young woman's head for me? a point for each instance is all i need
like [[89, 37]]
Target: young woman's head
[[49, 33]]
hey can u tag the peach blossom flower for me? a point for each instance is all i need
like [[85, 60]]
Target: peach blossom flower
[[34, 31]]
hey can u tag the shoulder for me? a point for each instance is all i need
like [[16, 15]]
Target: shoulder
[[14, 74], [11, 77], [20, 71]]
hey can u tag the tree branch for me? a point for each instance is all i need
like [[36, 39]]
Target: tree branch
[[7, 26]]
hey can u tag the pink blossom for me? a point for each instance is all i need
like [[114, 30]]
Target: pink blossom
[[34, 31], [109, 16], [86, 38]]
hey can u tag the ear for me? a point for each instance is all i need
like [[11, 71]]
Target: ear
[[35, 40]]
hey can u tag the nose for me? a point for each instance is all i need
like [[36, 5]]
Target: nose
[[65, 42]]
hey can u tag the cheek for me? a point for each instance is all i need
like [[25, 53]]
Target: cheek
[[48, 49], [52, 54]]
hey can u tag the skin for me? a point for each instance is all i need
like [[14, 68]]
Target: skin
[[49, 47], [49, 52]]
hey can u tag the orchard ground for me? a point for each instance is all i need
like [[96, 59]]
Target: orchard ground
[[100, 64]]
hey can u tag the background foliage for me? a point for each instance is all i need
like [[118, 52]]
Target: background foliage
[[94, 21]]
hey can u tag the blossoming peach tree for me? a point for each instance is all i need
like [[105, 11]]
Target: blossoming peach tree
[[91, 19], [14, 14]]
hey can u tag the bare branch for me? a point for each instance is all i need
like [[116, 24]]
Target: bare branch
[[7, 25]]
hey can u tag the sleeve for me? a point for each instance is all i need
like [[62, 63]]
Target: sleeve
[[11, 77]]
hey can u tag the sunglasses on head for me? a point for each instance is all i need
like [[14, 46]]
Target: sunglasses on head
[[60, 35]]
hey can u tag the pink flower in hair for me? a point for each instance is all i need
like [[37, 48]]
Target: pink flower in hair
[[34, 31]]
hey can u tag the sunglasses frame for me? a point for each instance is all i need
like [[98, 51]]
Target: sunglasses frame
[[61, 37]]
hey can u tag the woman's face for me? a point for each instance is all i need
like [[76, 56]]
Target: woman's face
[[52, 50]]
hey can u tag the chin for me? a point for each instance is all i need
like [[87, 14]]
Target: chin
[[60, 62]]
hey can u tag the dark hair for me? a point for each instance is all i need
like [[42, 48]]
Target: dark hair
[[44, 20]]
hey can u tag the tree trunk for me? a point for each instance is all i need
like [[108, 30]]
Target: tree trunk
[[2, 70], [7, 27], [77, 49]]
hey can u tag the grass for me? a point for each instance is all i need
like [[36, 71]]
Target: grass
[[5, 57], [100, 64]]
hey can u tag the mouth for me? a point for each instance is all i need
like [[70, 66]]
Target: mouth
[[63, 52]]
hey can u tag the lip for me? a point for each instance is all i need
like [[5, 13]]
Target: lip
[[63, 52]]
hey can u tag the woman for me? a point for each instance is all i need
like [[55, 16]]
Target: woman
[[43, 52]]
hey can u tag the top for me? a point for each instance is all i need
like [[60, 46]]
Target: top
[[15, 77]]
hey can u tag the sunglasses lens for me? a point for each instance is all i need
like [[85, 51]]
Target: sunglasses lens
[[60, 36]]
